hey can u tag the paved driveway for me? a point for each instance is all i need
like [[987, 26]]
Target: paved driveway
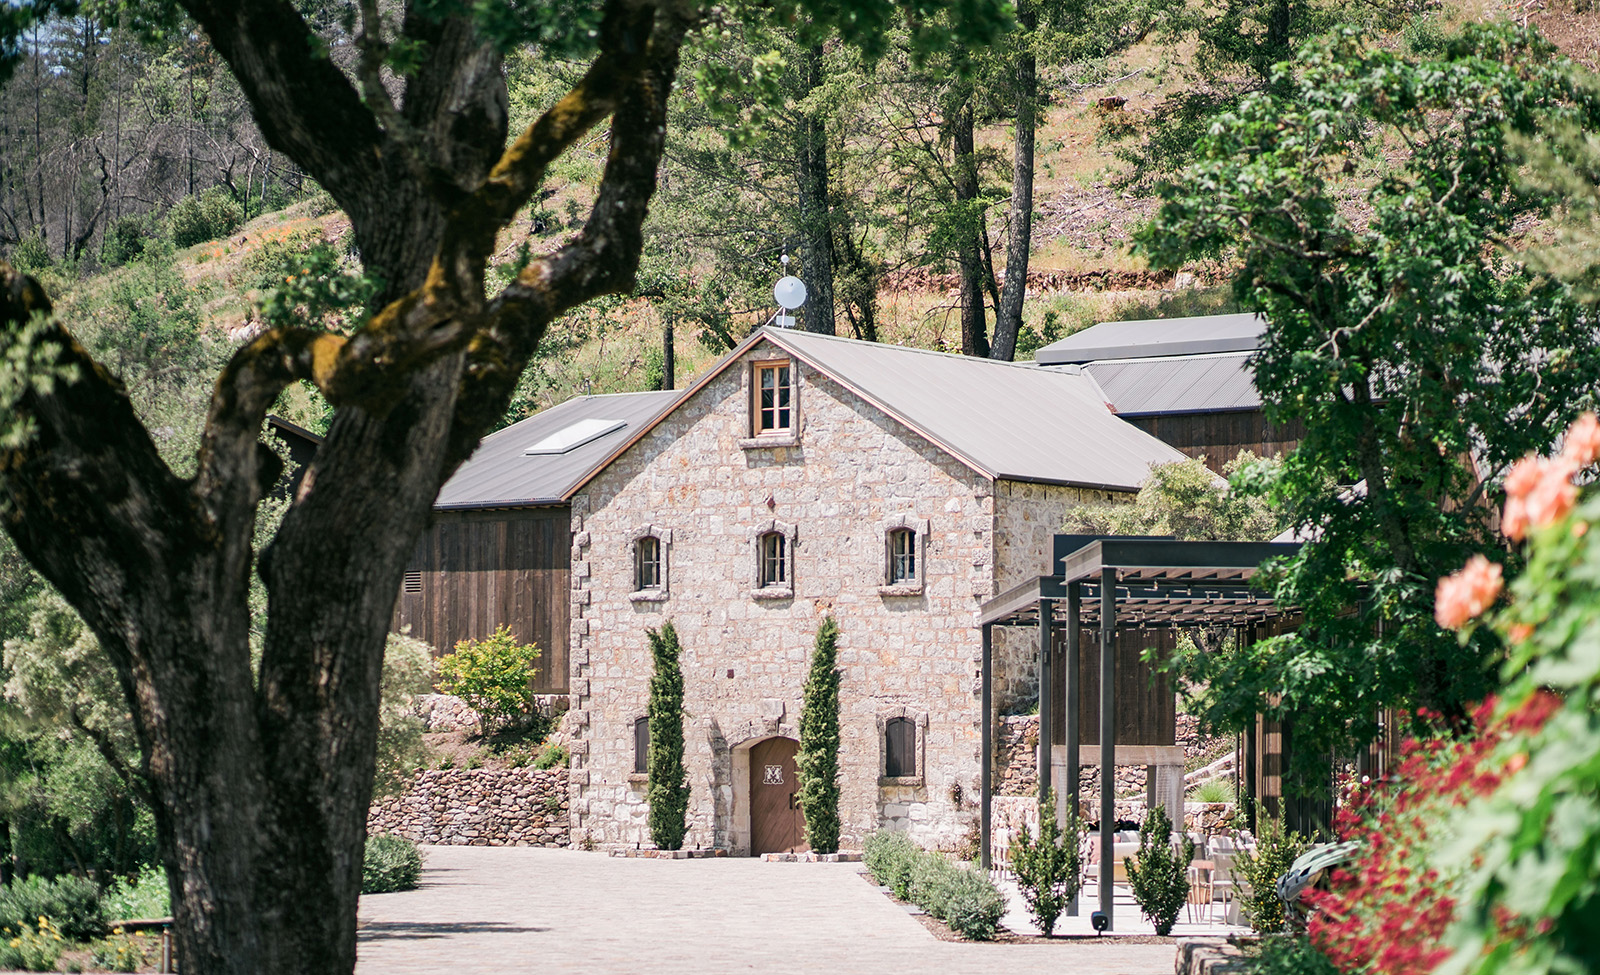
[[508, 909]]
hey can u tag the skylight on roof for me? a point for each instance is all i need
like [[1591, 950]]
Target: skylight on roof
[[575, 435]]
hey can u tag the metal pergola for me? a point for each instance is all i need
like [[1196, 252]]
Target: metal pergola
[[1107, 582]]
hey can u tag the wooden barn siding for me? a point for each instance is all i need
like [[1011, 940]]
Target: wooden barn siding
[[1147, 711], [484, 569], [1221, 437]]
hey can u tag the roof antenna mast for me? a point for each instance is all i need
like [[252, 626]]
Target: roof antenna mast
[[790, 293]]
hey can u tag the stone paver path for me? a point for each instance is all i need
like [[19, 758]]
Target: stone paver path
[[511, 909]]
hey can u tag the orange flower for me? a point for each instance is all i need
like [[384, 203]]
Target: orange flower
[[1520, 632], [1467, 593], [1538, 492], [1582, 445]]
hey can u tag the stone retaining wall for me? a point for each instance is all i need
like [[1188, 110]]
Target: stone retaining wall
[[479, 807]]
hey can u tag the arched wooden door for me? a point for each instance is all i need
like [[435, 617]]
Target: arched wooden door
[[776, 823]]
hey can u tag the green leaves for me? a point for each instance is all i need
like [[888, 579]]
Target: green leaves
[[1047, 867], [1366, 199], [818, 762], [493, 675], [668, 789]]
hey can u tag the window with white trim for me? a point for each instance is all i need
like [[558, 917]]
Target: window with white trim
[[774, 560], [902, 557]]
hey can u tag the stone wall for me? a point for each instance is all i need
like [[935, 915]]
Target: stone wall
[[479, 807], [1027, 517], [904, 652]]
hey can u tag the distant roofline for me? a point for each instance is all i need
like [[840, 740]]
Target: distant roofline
[[1077, 348], [277, 421]]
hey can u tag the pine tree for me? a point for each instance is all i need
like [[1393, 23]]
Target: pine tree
[[668, 791], [819, 742], [1047, 869]]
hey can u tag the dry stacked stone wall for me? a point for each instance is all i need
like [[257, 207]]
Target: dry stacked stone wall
[[479, 807]]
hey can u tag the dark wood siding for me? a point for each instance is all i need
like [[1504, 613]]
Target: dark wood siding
[[484, 569], [1221, 436], [1147, 711]]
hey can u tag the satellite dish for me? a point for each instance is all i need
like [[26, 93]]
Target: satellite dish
[[790, 292]]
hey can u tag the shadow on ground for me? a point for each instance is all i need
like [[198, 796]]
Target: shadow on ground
[[422, 930]]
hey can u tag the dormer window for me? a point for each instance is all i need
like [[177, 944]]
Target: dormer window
[[650, 564], [772, 412]]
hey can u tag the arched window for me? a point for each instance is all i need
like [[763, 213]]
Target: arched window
[[902, 557], [647, 563], [641, 745], [900, 748], [774, 559]]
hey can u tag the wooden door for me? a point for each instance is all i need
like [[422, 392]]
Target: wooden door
[[776, 823]]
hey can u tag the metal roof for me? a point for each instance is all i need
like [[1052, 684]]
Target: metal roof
[[501, 474], [1157, 337], [1178, 384], [1007, 420]]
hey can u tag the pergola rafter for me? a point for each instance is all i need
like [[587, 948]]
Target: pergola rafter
[[1107, 583]]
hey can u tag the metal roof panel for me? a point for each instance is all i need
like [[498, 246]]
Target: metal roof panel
[[1157, 337], [1183, 384]]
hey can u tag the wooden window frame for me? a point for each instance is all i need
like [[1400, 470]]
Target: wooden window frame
[[663, 541], [761, 436], [641, 759], [919, 746], [918, 529], [762, 586]]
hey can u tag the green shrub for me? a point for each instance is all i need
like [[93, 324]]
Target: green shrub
[[71, 903], [973, 906], [1214, 790], [129, 238], [668, 790], [196, 219], [818, 763], [1048, 870], [30, 948], [1158, 874], [551, 756], [390, 863], [143, 896], [888, 855], [960, 896], [494, 676], [31, 255], [1286, 954], [1275, 852]]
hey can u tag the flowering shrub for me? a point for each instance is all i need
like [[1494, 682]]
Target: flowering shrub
[[494, 676], [1482, 858], [29, 948], [120, 952]]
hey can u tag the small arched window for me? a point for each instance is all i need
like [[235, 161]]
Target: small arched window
[[647, 563], [641, 745], [900, 748], [774, 566], [903, 557]]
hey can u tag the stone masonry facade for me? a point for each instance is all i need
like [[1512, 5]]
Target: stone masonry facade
[[706, 491], [478, 807]]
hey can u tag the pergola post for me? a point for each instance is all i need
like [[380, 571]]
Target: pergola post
[[1046, 699], [1068, 800], [986, 738], [1108, 742]]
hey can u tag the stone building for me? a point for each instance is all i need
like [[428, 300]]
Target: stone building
[[807, 475]]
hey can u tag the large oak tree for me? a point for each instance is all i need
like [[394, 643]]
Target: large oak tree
[[261, 779]]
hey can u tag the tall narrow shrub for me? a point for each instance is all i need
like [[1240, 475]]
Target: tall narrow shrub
[[668, 791], [1047, 868], [1158, 873], [818, 763]]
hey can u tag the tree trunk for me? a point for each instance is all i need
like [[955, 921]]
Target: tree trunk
[[974, 325], [1019, 235], [669, 365], [816, 224]]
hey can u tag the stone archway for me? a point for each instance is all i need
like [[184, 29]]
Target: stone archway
[[741, 742]]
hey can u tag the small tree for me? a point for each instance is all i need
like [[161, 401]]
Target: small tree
[[493, 675], [1158, 874], [1048, 869], [668, 790], [819, 742], [1276, 850]]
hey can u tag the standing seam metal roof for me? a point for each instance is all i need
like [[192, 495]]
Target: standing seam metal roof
[[1005, 420], [1157, 337], [500, 475], [1178, 384]]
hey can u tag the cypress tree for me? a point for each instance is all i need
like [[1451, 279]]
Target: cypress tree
[[668, 790], [818, 763]]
